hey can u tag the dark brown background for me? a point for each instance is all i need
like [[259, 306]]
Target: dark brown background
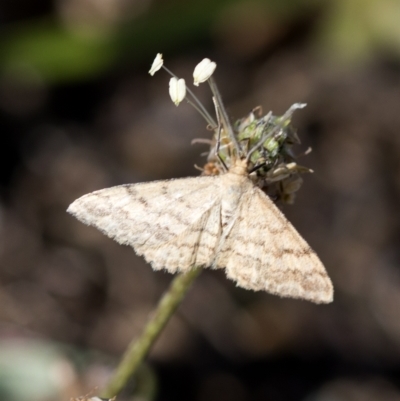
[[79, 112]]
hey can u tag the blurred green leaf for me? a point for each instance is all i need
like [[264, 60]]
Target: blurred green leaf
[[58, 54], [354, 30], [55, 53]]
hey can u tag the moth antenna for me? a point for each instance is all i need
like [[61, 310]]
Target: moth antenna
[[223, 116], [219, 129], [255, 168]]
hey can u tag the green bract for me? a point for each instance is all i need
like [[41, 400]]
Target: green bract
[[274, 166]]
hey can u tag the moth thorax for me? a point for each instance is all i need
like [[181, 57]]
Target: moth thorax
[[239, 167]]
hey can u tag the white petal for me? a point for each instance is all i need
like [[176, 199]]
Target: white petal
[[203, 71], [177, 90], [157, 64]]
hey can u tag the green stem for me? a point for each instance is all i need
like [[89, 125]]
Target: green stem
[[139, 348]]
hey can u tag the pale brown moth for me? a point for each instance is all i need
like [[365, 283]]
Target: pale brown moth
[[221, 222]]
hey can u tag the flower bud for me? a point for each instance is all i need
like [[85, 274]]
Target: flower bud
[[157, 64], [177, 90], [203, 71]]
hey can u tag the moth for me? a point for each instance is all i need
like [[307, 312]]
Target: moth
[[221, 222]]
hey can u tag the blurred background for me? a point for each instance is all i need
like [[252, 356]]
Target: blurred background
[[79, 112]]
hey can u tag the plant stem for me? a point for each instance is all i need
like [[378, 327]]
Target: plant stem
[[139, 348]]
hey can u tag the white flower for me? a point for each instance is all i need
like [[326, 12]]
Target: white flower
[[177, 90], [157, 64], [203, 71]]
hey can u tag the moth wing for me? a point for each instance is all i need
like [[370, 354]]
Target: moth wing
[[263, 251], [174, 224]]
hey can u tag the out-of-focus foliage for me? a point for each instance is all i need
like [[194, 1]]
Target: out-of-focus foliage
[[354, 30], [86, 39], [54, 53]]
